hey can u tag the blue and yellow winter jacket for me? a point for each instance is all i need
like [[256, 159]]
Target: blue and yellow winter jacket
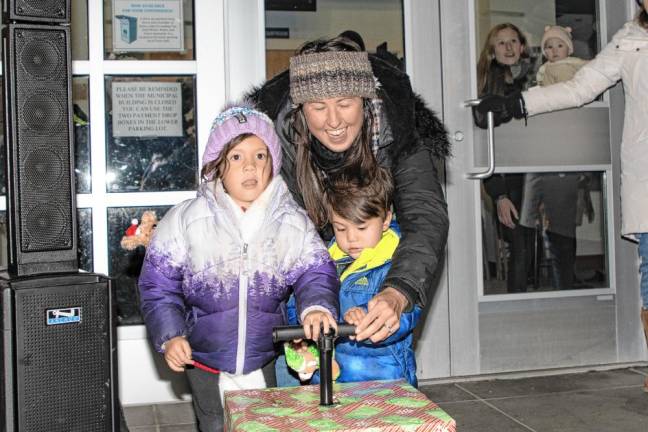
[[361, 279]]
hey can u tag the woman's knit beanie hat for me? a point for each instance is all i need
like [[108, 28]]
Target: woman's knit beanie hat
[[238, 119], [323, 75], [562, 33]]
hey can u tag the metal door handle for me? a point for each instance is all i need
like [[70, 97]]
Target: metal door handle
[[491, 143]]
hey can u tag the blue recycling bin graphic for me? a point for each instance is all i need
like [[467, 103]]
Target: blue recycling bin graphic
[[127, 28]]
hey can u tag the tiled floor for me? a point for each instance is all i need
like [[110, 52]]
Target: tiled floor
[[172, 417], [603, 401]]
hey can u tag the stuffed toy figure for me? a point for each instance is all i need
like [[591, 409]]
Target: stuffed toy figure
[[139, 233], [303, 358]]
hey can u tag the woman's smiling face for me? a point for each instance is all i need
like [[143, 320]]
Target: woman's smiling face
[[335, 122], [507, 47]]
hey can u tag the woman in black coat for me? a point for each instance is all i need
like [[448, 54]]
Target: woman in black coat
[[343, 112]]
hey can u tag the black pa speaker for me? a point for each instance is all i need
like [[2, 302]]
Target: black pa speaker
[[39, 144], [59, 370], [53, 11]]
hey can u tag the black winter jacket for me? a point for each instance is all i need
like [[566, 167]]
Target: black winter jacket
[[418, 139]]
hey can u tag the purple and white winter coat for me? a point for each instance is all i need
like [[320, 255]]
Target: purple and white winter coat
[[220, 277]]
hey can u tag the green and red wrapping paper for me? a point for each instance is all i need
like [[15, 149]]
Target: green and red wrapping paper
[[374, 406]]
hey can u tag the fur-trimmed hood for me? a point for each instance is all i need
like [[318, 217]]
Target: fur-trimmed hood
[[406, 111]]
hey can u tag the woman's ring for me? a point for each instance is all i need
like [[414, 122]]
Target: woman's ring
[[388, 327]]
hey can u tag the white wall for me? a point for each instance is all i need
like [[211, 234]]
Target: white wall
[[144, 377]]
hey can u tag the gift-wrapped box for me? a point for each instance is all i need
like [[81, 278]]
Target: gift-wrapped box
[[363, 406]]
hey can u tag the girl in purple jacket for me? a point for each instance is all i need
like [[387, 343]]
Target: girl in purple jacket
[[220, 267]]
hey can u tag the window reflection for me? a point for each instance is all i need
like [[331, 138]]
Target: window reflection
[[79, 30], [151, 136], [125, 263], [4, 260], [84, 233], [380, 25], [3, 150], [81, 120], [148, 31], [544, 232]]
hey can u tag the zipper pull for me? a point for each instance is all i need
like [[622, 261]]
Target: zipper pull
[[245, 257]]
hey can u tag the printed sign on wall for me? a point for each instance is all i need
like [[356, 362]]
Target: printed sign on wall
[[144, 109], [147, 25]]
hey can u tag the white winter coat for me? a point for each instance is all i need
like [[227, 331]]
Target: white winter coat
[[624, 58]]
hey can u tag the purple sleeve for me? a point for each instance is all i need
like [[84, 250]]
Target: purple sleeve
[[318, 286], [161, 298]]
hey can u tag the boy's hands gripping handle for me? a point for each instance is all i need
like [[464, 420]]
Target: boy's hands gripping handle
[[287, 333]]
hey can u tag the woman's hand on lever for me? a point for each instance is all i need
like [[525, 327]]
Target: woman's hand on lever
[[383, 316]]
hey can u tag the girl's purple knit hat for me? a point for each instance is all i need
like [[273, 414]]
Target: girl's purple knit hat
[[238, 119]]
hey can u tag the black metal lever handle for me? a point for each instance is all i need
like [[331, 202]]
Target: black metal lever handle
[[286, 333]]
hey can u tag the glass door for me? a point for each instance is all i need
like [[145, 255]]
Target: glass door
[[533, 251]]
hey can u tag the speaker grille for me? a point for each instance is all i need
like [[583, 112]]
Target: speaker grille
[[43, 148], [64, 376], [42, 113], [47, 168], [42, 59], [47, 10], [47, 226]]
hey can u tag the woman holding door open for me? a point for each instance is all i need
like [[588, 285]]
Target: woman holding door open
[[625, 59]]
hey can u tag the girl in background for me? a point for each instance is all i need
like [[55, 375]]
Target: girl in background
[[503, 69]]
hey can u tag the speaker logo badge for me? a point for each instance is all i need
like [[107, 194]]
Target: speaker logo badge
[[69, 315]]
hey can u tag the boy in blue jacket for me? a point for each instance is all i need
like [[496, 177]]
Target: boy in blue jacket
[[365, 240]]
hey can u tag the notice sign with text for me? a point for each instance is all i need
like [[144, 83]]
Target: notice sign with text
[[147, 25], [145, 109]]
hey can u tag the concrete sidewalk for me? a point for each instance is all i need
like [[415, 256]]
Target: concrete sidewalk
[[600, 401]]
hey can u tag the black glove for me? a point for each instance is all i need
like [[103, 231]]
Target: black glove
[[512, 104], [492, 102]]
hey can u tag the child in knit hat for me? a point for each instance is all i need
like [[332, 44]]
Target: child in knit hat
[[557, 47], [220, 266]]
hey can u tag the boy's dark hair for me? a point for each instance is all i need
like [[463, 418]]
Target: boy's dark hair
[[218, 166], [358, 201]]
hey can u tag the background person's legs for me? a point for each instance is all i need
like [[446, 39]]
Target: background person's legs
[[643, 269], [521, 257], [564, 251]]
